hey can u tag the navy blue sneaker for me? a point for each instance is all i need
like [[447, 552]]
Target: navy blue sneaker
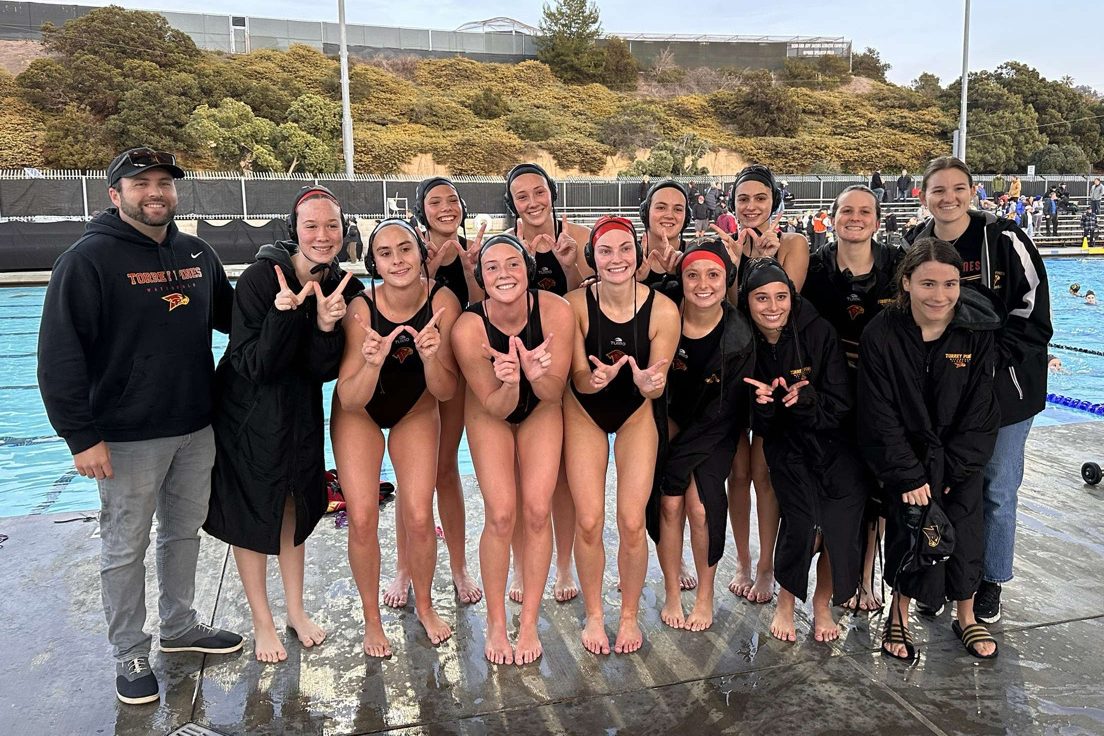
[[987, 605], [135, 682], [204, 639]]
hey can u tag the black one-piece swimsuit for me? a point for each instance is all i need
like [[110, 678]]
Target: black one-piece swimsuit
[[401, 379], [531, 336]]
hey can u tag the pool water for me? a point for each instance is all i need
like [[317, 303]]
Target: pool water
[[36, 469]]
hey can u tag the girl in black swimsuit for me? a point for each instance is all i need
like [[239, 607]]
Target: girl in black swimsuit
[[397, 365], [627, 337], [440, 210], [559, 267], [514, 351]]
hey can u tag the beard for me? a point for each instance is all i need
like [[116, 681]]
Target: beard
[[135, 212]]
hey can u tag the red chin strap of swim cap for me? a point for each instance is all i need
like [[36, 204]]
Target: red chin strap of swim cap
[[609, 222]]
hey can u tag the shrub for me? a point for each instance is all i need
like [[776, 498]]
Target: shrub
[[438, 112], [380, 150], [581, 154], [488, 104], [482, 151], [531, 125]]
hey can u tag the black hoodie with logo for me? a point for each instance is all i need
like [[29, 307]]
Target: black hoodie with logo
[[124, 349]]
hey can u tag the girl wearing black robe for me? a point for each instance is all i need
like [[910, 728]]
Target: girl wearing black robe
[[929, 421], [268, 487], [801, 402]]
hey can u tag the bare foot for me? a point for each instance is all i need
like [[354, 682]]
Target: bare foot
[[782, 626], [308, 631], [672, 613], [497, 650], [515, 589], [595, 640], [267, 645], [565, 588], [824, 626], [629, 636], [375, 641], [398, 592], [701, 617], [763, 589], [741, 582], [436, 629], [467, 590], [528, 648], [687, 579], [852, 604], [869, 600]]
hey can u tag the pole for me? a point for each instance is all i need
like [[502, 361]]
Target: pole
[[346, 112], [965, 84]]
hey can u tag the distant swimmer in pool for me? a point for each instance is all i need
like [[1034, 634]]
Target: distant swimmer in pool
[[1054, 363], [1090, 298], [514, 349], [1075, 290], [396, 367]]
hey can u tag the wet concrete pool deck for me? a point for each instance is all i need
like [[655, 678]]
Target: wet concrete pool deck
[[56, 676]]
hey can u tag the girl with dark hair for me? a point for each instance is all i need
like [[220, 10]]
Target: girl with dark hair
[[627, 337], [802, 397], [439, 209], [397, 366], [707, 409], [929, 423], [758, 205], [514, 351], [267, 488]]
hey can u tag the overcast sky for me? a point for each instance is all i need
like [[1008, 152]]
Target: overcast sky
[[1057, 38]]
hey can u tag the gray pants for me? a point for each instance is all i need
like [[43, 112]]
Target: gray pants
[[172, 476]]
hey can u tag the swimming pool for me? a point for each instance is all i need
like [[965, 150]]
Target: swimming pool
[[36, 469]]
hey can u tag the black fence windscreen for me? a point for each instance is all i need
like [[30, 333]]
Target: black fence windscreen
[[237, 241], [42, 197], [34, 246]]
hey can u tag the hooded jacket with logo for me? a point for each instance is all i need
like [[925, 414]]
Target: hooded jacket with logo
[[124, 350], [1012, 268]]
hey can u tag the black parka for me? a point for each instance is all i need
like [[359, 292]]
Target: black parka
[[928, 414], [706, 447], [814, 467], [269, 417]]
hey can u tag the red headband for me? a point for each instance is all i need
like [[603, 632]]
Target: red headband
[[607, 223], [699, 255], [316, 193]]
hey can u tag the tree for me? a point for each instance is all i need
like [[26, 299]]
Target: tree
[[317, 115], [1063, 159], [116, 36], [673, 157], [630, 128], [1003, 132], [619, 70], [927, 84], [235, 136], [760, 109], [77, 140], [567, 40], [869, 64], [155, 112]]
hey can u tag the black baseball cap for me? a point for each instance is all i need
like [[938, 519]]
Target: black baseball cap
[[136, 160]]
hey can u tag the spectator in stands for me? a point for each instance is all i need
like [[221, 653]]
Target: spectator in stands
[[700, 212], [998, 186], [726, 220], [891, 228], [807, 226], [1096, 193], [352, 243], [1027, 216], [645, 185], [712, 200], [922, 212], [1088, 228], [787, 195], [820, 229], [1037, 214], [878, 186], [1050, 209], [1014, 188], [904, 186], [981, 194]]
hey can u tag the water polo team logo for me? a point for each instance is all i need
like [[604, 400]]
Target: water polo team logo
[[401, 354], [959, 360], [176, 300], [854, 310]]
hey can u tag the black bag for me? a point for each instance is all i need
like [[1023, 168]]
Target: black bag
[[931, 536]]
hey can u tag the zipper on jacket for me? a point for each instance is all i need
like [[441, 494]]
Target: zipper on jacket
[[1015, 381]]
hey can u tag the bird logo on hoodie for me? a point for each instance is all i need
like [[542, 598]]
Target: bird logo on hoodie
[[176, 300]]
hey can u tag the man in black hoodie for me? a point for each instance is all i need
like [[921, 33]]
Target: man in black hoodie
[[125, 369]]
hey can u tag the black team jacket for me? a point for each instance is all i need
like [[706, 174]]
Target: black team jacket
[[814, 466], [269, 419], [705, 448], [1012, 268], [124, 349]]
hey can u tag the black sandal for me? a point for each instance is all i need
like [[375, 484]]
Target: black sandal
[[973, 635], [898, 634]]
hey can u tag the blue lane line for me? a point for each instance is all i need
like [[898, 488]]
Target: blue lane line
[[24, 441], [22, 388]]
